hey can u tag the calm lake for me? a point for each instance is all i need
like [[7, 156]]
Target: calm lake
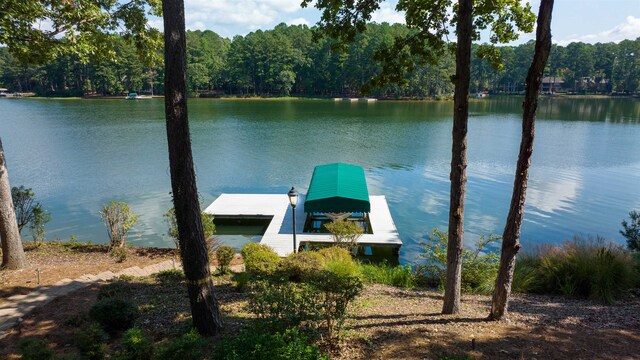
[[80, 154]]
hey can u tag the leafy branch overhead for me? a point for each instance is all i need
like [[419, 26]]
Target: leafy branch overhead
[[430, 22], [36, 31]]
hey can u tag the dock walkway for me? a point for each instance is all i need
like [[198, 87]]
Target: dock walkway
[[278, 234]]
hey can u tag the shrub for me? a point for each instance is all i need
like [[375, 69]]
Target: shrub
[[298, 266], [586, 267], [260, 260], [34, 349], [339, 261], [136, 346], [283, 304], [119, 254], [207, 224], [187, 347], [92, 343], [224, 255], [114, 314], [242, 280], [290, 345], [345, 233], [383, 273], [170, 276], [631, 231], [479, 266], [336, 290], [23, 203], [115, 289], [39, 219], [119, 219]]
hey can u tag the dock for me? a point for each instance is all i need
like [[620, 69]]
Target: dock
[[367, 100], [279, 233]]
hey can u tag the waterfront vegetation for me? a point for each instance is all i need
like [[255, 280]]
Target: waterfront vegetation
[[286, 61], [308, 305]]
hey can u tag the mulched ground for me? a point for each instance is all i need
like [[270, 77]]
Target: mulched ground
[[57, 261], [386, 323]]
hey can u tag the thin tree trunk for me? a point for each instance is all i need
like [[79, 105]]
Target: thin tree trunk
[[12, 252], [511, 235], [458, 158], [193, 249]]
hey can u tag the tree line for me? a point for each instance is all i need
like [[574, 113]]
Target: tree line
[[288, 60]]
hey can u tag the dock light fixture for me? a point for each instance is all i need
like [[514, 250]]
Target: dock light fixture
[[293, 200]]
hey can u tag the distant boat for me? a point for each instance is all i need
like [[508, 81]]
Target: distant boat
[[482, 94], [3, 92], [135, 96]]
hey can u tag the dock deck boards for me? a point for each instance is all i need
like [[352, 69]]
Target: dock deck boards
[[278, 234]]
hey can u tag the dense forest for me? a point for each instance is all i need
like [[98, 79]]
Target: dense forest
[[289, 61]]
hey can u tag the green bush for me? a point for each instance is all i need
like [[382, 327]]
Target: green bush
[[298, 266], [631, 230], [242, 280], [224, 255], [170, 276], [260, 260], [339, 261], [336, 290], [586, 267], [34, 349], [114, 314], [479, 266], [187, 347], [136, 346], [383, 273], [283, 304], [345, 233], [115, 289], [119, 254], [92, 343], [291, 345]]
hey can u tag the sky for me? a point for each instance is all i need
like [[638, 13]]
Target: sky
[[588, 21]]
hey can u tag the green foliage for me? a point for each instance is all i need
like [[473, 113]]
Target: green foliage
[[207, 224], [135, 346], [91, 343], [224, 255], [336, 291], [118, 219], [170, 276], [24, 204], [383, 273], [584, 267], [187, 347], [119, 254], [290, 345], [345, 233], [479, 266], [283, 305], [119, 289], [39, 219], [35, 349], [631, 231], [260, 260], [300, 265], [114, 313]]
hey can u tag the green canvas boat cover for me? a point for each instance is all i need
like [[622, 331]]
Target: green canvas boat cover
[[338, 188]]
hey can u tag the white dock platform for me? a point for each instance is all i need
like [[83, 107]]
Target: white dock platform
[[279, 232]]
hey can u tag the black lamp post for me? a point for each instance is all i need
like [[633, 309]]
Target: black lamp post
[[293, 200]]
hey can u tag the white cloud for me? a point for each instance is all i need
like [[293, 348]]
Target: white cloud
[[630, 29], [247, 14], [298, 21], [387, 13]]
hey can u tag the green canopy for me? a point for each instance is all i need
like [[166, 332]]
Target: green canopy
[[338, 188]]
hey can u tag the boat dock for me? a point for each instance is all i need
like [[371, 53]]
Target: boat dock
[[279, 232], [367, 100]]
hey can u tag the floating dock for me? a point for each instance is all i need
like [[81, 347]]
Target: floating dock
[[367, 100], [279, 233]]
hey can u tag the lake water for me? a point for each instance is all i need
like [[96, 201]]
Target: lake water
[[80, 154]]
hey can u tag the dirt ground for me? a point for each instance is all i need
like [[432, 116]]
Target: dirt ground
[[57, 261], [387, 323]]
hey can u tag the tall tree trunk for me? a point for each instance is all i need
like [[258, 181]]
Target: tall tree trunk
[[511, 235], [12, 253], [458, 158], [193, 249]]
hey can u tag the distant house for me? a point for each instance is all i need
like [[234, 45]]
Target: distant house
[[552, 84]]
